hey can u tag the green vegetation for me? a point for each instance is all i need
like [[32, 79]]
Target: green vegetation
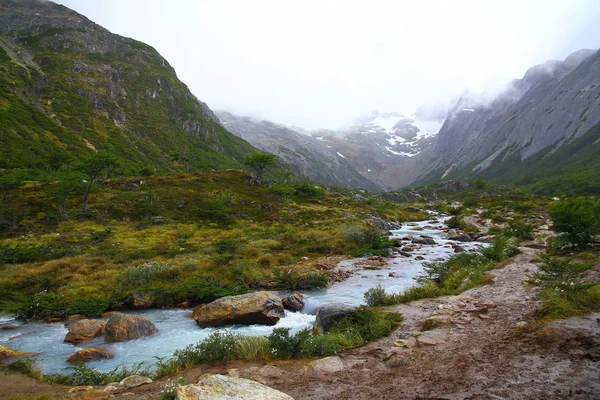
[[578, 219], [564, 290], [362, 325], [188, 237], [258, 164], [459, 273]]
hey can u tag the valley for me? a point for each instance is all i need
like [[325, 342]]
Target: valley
[[152, 248]]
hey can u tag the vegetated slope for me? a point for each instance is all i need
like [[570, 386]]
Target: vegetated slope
[[314, 158], [70, 87], [552, 106]]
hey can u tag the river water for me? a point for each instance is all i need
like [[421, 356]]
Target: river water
[[177, 329]]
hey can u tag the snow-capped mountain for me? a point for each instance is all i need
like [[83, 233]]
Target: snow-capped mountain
[[382, 141]]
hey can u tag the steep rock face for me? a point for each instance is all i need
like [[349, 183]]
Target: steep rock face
[[69, 85], [316, 159], [553, 105]]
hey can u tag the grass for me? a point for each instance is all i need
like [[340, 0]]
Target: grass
[[363, 325], [159, 240]]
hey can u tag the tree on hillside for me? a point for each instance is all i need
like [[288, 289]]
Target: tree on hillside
[[65, 185], [578, 219], [96, 168], [258, 163]]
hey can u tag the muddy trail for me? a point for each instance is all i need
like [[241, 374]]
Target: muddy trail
[[486, 343]]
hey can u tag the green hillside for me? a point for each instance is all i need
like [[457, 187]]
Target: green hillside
[[68, 87]]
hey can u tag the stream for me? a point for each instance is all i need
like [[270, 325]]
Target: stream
[[177, 329]]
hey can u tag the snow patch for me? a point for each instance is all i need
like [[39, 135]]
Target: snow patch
[[340, 154]]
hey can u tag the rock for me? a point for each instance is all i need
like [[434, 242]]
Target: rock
[[436, 321], [458, 249], [294, 302], [393, 275], [423, 240], [329, 315], [461, 237], [140, 301], [185, 304], [9, 327], [419, 258], [122, 327], [71, 319], [108, 314], [222, 387], [7, 352], [90, 354], [134, 381], [84, 330], [78, 389], [328, 364], [253, 308], [408, 343]]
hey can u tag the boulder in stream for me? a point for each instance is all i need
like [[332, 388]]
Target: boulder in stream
[[7, 352], [262, 308], [84, 330], [122, 327], [294, 302], [90, 354], [214, 386], [329, 315]]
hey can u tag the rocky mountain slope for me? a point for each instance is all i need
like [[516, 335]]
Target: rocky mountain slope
[[70, 87], [554, 105], [316, 159], [382, 142]]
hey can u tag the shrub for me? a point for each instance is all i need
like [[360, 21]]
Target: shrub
[[368, 323], [578, 219], [308, 190], [375, 296], [289, 279], [519, 230], [456, 223], [283, 345], [147, 273], [253, 348]]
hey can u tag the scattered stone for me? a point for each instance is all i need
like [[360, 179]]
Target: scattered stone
[[393, 275], [461, 237], [458, 249], [185, 304], [140, 301], [90, 354], [329, 315], [294, 302], [84, 330], [423, 240], [521, 324], [263, 308], [431, 338], [408, 343], [419, 258], [222, 387], [327, 364], [234, 373], [122, 327], [9, 327], [436, 321], [77, 389], [407, 249], [134, 381], [7, 352]]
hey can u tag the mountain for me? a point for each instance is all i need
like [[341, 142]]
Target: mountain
[[379, 144], [313, 157], [70, 87], [513, 138]]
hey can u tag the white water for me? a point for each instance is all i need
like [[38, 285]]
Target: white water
[[177, 329]]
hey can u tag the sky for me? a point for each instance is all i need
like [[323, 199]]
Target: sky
[[322, 64]]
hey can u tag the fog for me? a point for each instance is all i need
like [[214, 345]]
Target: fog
[[322, 64]]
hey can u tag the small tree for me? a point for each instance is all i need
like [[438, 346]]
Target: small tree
[[96, 167], [66, 184], [578, 219], [10, 182], [258, 164]]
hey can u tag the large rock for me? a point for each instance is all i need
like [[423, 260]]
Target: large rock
[[122, 327], [133, 381], [328, 316], [84, 330], [222, 387], [7, 352], [253, 308], [90, 354], [294, 302], [423, 240]]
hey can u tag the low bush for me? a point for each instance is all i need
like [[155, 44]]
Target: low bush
[[456, 223], [578, 219], [290, 279]]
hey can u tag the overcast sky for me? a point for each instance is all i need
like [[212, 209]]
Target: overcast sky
[[324, 63]]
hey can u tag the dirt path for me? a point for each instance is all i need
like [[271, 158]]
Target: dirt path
[[484, 344]]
